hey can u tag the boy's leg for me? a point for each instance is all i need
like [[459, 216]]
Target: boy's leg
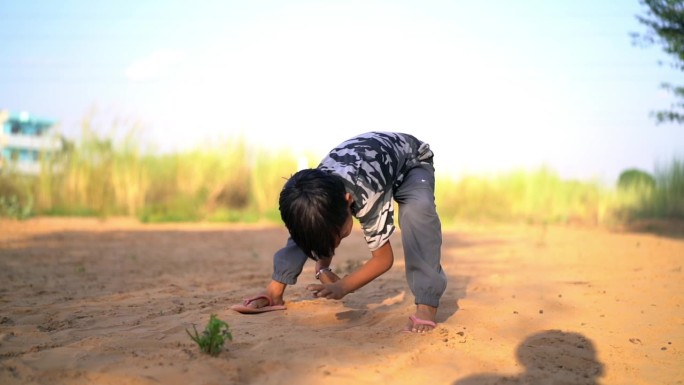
[[421, 233], [288, 263]]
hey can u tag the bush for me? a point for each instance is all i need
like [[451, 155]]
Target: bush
[[16, 199], [635, 179]]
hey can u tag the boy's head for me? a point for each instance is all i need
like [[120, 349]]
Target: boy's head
[[315, 208]]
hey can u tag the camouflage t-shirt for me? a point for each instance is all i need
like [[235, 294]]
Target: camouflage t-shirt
[[372, 165]]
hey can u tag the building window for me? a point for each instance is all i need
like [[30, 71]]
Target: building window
[[16, 128]]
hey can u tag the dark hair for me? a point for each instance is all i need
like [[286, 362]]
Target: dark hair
[[313, 206]]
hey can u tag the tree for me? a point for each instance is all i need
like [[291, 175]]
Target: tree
[[665, 22]]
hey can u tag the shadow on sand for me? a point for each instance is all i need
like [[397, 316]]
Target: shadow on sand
[[549, 357]]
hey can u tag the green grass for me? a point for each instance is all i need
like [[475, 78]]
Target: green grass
[[231, 181]]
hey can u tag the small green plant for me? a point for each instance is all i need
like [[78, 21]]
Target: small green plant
[[213, 337]]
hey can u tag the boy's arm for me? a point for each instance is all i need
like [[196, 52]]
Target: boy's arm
[[381, 261]]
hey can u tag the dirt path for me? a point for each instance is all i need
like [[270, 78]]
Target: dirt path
[[89, 302]]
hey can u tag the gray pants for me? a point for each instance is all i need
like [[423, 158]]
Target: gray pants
[[421, 234]]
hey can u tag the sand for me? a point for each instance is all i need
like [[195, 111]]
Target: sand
[[85, 301]]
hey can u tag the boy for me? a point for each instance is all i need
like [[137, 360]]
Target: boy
[[360, 178]]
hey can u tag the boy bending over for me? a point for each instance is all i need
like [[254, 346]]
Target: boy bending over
[[360, 178]]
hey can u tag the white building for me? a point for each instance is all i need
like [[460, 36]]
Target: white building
[[23, 138]]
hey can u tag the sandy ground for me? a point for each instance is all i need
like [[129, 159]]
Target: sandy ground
[[84, 301]]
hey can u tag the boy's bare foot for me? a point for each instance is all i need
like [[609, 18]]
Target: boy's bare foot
[[423, 320]]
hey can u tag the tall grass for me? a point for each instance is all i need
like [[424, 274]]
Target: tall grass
[[97, 176], [234, 181], [539, 196], [104, 176], [194, 184], [668, 199]]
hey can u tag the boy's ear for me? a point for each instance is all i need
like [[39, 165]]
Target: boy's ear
[[348, 197]]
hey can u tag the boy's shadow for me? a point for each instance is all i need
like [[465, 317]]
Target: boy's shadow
[[549, 357]]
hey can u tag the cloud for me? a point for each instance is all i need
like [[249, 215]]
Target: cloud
[[154, 66]]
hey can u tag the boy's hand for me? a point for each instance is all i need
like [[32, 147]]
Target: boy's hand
[[381, 261], [329, 291]]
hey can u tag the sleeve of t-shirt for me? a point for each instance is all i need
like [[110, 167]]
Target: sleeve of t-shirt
[[377, 222]]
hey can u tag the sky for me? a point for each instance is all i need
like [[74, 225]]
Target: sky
[[493, 86]]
